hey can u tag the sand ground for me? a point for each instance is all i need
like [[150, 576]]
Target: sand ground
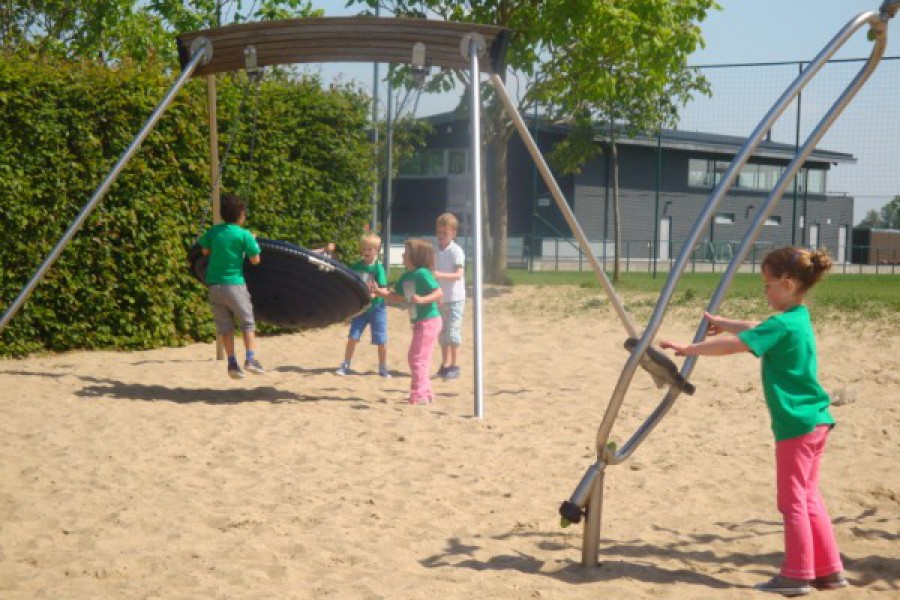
[[151, 475]]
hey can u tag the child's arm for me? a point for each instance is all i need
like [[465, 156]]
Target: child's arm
[[719, 324], [254, 260], [435, 295], [388, 295], [716, 347], [450, 276]]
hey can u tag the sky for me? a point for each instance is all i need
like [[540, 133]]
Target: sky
[[743, 31]]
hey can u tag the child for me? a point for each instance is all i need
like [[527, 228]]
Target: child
[[372, 271], [420, 289], [226, 244], [450, 272], [798, 407]]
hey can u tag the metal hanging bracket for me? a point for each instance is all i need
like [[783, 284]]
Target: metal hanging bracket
[[205, 45], [466, 42], [250, 63]]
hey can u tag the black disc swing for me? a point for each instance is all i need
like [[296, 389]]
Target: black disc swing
[[292, 286]]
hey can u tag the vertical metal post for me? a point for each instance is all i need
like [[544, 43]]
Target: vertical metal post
[[590, 542], [389, 174], [475, 101], [655, 246], [374, 222], [203, 51], [796, 148]]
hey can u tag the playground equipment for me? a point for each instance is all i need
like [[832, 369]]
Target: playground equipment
[[296, 288], [586, 502]]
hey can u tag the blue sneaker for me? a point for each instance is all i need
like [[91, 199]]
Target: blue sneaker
[[442, 372], [451, 373], [234, 371], [383, 372], [344, 369], [254, 366]]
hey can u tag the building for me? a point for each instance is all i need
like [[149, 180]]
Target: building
[[664, 182]]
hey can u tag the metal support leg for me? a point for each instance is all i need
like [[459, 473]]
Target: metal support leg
[[590, 545]]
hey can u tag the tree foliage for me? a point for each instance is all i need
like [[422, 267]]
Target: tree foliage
[[123, 282], [112, 31]]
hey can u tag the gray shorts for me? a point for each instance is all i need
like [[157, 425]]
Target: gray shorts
[[452, 315], [230, 302]]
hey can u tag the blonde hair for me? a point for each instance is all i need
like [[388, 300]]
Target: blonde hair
[[370, 240], [803, 266], [448, 220], [420, 253]]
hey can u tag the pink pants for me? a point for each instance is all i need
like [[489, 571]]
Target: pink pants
[[425, 334], [810, 550]]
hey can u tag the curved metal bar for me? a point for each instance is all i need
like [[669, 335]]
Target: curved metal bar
[[199, 56], [347, 39], [876, 21]]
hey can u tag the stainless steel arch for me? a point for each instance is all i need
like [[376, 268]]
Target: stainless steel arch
[[588, 495]]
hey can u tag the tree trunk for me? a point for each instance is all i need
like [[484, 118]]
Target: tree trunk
[[497, 213], [617, 225]]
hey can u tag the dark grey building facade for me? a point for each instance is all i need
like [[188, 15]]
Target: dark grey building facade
[[663, 184]]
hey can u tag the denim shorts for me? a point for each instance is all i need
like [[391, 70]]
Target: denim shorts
[[229, 302], [452, 315], [376, 317]]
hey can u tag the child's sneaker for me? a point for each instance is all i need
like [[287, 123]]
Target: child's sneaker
[[234, 371], [452, 373], [784, 586], [383, 371], [254, 366], [442, 372], [344, 369], [830, 582]]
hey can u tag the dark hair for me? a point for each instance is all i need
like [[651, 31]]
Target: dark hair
[[803, 266], [420, 253], [230, 207]]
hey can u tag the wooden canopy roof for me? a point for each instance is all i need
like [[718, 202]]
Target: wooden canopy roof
[[345, 39]]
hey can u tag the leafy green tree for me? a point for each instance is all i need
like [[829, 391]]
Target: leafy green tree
[[110, 31], [872, 220], [604, 67], [890, 214]]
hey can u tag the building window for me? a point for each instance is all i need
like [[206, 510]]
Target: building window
[[456, 162], [705, 173], [724, 218], [435, 163], [773, 221]]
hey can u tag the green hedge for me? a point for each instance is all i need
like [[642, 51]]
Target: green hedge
[[122, 282]]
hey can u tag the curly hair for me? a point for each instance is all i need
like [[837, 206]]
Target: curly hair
[[803, 266]]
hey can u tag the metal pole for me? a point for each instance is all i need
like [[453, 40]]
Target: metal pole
[[475, 100], [389, 175], [796, 148], [374, 223], [200, 55], [656, 201], [214, 172], [590, 543], [708, 210]]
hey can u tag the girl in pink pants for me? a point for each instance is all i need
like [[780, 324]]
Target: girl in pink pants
[[798, 407], [421, 291]]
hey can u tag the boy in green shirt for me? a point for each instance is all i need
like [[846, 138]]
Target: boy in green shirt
[[226, 244]]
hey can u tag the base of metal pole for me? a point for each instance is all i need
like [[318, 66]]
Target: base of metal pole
[[590, 546]]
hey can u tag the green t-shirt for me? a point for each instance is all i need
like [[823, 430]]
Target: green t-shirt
[[420, 282], [787, 346], [228, 243], [376, 273]]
